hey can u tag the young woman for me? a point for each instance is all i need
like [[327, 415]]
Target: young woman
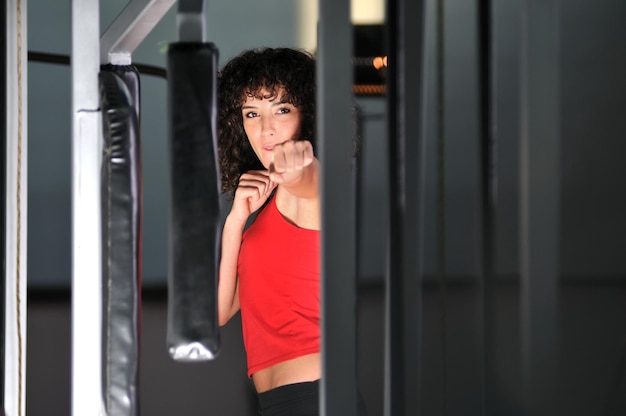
[[270, 264], [270, 269]]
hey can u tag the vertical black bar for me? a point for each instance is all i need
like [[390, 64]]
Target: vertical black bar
[[357, 163], [195, 211], [3, 169], [540, 194], [440, 100], [487, 199], [405, 20], [338, 285]]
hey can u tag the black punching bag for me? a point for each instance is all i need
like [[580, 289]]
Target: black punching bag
[[121, 238], [194, 222]]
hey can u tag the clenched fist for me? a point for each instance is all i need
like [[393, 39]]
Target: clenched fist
[[289, 159]]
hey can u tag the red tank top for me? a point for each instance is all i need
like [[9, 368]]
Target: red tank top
[[279, 293]]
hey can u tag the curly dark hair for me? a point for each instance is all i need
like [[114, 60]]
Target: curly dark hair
[[245, 76]]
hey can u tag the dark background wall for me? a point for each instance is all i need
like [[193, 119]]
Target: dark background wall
[[592, 297]]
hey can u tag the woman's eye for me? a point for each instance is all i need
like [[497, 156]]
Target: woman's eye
[[283, 110], [250, 114]]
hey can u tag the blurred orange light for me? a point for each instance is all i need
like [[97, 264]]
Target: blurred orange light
[[379, 62]]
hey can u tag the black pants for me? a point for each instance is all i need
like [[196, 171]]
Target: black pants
[[300, 399]]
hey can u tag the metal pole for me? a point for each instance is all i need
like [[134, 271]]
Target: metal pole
[[338, 286], [3, 164], [540, 193], [405, 20], [487, 204], [15, 209], [87, 394]]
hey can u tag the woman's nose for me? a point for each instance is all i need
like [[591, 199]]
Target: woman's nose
[[267, 126]]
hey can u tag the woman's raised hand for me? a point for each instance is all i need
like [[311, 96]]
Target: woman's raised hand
[[253, 190]]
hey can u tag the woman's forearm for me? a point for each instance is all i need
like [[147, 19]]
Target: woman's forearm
[[228, 298]]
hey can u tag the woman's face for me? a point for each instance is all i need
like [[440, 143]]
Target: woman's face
[[268, 122]]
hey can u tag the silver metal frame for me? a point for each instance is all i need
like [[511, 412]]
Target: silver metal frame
[[87, 396], [130, 28]]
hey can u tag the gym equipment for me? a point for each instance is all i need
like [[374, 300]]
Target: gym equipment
[[195, 227], [121, 238]]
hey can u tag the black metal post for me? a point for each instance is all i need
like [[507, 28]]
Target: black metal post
[[487, 199], [540, 195], [335, 133], [405, 21]]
